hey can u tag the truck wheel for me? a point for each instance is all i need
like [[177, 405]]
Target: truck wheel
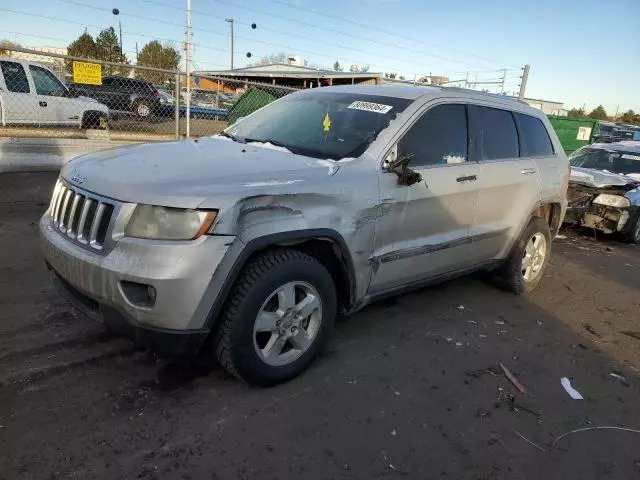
[[278, 317], [96, 120], [142, 109], [528, 259]]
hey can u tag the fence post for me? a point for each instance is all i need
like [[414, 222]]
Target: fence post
[[176, 94]]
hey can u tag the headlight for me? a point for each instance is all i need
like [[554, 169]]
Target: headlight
[[612, 200], [164, 223]]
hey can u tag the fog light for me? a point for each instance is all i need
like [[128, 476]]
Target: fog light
[[138, 294]]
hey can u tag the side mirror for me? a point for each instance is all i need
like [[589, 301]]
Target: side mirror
[[399, 164]]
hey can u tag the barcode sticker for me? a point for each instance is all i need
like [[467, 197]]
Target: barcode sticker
[[370, 107]]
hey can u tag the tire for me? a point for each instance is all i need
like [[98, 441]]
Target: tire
[[92, 120], [512, 274], [249, 349], [633, 231], [142, 109]]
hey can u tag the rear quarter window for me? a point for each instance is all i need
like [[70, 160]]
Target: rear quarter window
[[15, 78], [534, 138], [493, 133]]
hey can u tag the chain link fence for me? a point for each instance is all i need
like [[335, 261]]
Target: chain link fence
[[48, 95]]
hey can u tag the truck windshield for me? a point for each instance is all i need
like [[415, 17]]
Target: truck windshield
[[615, 161], [321, 125]]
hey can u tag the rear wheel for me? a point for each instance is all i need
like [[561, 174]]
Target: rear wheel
[[278, 317], [528, 259], [142, 109]]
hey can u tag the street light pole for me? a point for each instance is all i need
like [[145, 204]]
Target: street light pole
[[231, 22], [116, 12], [188, 67]]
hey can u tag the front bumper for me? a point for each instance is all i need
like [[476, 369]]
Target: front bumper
[[182, 274], [600, 217]]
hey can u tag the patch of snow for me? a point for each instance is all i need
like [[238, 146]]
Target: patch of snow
[[272, 183]]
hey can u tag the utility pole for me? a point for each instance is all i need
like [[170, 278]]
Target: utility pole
[[136, 52], [188, 67], [523, 82], [231, 21], [504, 77], [466, 81]]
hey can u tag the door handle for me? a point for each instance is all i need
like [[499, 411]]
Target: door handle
[[469, 178], [43, 104], [528, 171]]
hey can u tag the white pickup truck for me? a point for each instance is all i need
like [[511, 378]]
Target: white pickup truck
[[30, 94]]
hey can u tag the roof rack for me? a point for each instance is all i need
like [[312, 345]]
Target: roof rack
[[487, 94]]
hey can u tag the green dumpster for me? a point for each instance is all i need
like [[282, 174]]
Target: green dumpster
[[573, 132], [250, 101]]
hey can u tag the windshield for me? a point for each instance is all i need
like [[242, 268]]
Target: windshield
[[321, 125], [614, 161]]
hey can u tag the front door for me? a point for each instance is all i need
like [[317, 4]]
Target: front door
[[56, 108], [19, 102], [423, 230]]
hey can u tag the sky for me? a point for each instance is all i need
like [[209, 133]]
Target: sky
[[581, 52]]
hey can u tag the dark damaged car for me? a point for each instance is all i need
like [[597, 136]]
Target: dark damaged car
[[604, 189]]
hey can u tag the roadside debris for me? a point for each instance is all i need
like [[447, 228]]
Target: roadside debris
[[635, 335], [590, 329], [513, 379], [622, 378], [593, 428], [494, 371], [529, 441], [564, 381], [391, 466]]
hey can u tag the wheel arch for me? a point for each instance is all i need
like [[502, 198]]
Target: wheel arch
[[326, 245]]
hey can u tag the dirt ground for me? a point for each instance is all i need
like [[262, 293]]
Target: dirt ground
[[409, 388]]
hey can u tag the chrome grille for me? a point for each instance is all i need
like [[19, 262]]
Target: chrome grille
[[82, 217]]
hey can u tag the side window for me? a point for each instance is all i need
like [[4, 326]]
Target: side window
[[15, 77], [107, 81], [439, 137], [493, 133], [534, 138], [46, 82]]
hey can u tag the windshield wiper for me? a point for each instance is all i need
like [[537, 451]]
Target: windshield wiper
[[231, 136]]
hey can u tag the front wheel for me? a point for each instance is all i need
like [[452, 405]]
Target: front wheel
[[278, 317], [633, 232], [528, 259]]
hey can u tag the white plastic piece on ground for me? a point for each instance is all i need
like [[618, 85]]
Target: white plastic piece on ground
[[564, 381]]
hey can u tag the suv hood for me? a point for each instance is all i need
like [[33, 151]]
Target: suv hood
[[601, 179], [186, 173]]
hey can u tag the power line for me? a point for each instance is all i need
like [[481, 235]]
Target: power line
[[324, 29], [207, 47], [369, 27]]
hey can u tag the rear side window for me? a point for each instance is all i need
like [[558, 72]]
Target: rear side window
[[493, 133], [15, 77], [534, 138], [439, 137]]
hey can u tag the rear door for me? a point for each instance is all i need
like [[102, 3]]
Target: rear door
[[423, 229], [56, 108], [535, 143], [19, 102], [509, 183]]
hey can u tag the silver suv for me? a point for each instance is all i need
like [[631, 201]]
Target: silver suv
[[248, 244]]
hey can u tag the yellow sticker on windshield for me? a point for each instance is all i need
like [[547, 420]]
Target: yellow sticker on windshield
[[326, 123]]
